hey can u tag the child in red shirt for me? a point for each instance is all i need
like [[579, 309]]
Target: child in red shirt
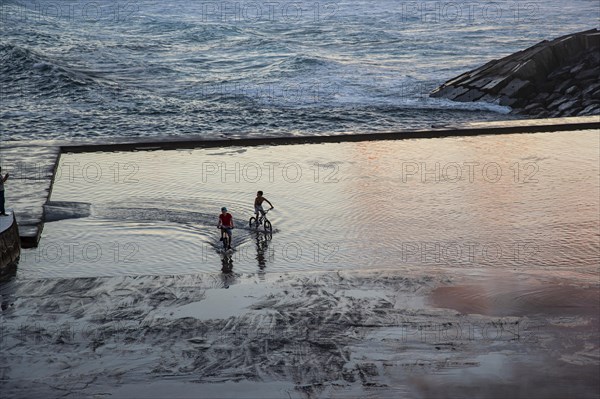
[[225, 224]]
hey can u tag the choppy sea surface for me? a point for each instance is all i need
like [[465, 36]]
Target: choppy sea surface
[[90, 70]]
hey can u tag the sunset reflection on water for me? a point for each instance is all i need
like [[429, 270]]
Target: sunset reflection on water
[[514, 201]]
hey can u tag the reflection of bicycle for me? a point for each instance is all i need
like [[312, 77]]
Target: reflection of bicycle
[[226, 266], [262, 247], [262, 220]]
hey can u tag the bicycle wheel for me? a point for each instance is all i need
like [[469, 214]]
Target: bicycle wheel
[[225, 242], [252, 222], [268, 226]]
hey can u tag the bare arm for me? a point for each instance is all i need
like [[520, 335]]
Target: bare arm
[[269, 202], [5, 178]]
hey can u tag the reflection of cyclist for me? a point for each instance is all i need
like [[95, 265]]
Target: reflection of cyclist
[[262, 246], [225, 224], [258, 204], [227, 267]]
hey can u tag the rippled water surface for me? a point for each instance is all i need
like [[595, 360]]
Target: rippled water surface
[[520, 202]]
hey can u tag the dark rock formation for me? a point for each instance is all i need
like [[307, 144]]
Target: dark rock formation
[[551, 79]]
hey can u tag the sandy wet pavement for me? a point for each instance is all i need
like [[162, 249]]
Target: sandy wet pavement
[[385, 334]]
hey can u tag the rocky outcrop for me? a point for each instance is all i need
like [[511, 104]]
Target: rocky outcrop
[[551, 79]]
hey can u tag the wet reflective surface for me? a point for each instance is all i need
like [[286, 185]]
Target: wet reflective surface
[[501, 295], [463, 267], [502, 202]]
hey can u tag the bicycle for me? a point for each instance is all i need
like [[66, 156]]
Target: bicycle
[[262, 219], [225, 239]]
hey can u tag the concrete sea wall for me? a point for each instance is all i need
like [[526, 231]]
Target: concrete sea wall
[[10, 244]]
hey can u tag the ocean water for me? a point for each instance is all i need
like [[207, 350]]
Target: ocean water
[[89, 70]]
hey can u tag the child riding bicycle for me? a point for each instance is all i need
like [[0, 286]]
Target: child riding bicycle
[[225, 224], [258, 201]]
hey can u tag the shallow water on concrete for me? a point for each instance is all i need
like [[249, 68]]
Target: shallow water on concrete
[[503, 294], [510, 202]]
